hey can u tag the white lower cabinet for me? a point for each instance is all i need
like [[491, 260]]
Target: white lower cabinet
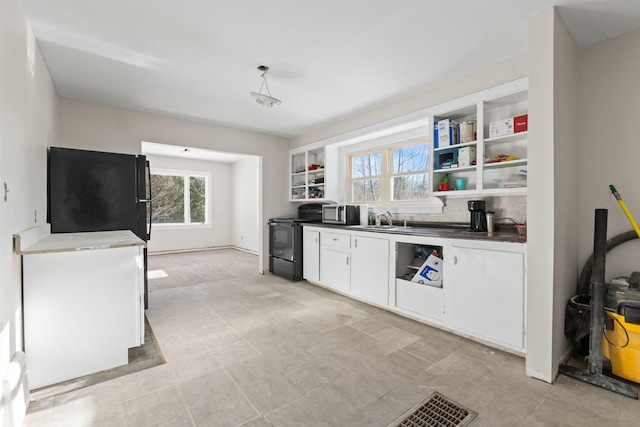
[[370, 268], [482, 295], [335, 269], [418, 298], [335, 260], [488, 295], [311, 255]]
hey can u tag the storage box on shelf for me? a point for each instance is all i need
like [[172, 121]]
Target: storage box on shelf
[[307, 174], [500, 161]]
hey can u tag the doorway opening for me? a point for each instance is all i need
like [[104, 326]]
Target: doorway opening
[[231, 211]]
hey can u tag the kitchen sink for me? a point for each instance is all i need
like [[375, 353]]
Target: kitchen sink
[[378, 227], [408, 229]]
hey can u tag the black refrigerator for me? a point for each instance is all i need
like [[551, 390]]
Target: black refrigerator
[[97, 191]]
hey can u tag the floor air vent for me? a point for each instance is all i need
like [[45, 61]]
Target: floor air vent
[[435, 411]]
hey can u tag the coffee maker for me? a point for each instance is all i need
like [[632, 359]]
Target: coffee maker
[[478, 216]]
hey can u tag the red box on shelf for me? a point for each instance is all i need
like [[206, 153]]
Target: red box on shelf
[[521, 123]]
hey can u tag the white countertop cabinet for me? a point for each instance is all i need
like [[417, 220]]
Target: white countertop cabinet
[[411, 297], [483, 282], [335, 260], [370, 268], [487, 298], [311, 254], [83, 302]]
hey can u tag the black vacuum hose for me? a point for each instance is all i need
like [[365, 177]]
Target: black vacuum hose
[[584, 283]]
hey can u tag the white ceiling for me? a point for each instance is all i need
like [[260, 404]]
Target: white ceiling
[[329, 59]]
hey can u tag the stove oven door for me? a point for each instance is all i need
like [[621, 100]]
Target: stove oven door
[[282, 243]]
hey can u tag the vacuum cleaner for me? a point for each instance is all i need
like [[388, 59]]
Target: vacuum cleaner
[[593, 373], [615, 306]]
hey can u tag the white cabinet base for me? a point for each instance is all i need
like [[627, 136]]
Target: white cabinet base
[[370, 269], [335, 269], [420, 299], [488, 295], [82, 312]]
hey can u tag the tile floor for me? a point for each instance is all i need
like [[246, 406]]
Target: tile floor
[[259, 351]]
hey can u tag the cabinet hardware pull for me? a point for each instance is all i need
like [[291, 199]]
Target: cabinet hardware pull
[[347, 260], [356, 243], [455, 260]]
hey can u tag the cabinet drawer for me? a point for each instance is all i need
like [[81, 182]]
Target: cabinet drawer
[[336, 240]]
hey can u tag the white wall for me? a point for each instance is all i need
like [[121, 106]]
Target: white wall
[[493, 76], [583, 109], [217, 232], [552, 196], [28, 119], [566, 179], [610, 145], [98, 127], [244, 203]]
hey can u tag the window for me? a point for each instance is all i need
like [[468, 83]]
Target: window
[[394, 173], [409, 172], [365, 176], [179, 198]]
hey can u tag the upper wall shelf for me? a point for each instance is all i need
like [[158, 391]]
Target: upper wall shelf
[[485, 177], [306, 174]]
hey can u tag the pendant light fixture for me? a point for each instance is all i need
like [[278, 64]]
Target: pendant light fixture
[[265, 100]]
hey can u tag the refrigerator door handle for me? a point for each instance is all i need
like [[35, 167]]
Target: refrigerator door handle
[[150, 200]]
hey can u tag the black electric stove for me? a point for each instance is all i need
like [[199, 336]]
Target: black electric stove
[[285, 241]]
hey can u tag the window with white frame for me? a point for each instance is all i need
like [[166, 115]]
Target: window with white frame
[[394, 173], [179, 198]]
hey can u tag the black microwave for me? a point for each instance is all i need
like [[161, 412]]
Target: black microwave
[[341, 214]]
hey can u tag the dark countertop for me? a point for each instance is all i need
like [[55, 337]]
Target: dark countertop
[[502, 233]]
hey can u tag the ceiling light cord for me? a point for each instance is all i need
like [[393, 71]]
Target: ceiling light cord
[[264, 82]]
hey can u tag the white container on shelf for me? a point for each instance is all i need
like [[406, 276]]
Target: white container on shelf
[[467, 131]]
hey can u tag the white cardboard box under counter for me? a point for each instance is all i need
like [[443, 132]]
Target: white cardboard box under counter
[[82, 299]]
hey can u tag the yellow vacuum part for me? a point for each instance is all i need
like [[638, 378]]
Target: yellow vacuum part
[[625, 362]]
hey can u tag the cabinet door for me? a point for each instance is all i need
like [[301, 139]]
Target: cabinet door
[[370, 269], [311, 255], [487, 295], [335, 269]]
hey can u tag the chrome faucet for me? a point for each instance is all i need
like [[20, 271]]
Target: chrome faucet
[[386, 215]]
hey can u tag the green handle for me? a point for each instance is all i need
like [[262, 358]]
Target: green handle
[[614, 192]]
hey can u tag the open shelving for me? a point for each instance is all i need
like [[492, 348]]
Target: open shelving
[[306, 174], [485, 178]]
